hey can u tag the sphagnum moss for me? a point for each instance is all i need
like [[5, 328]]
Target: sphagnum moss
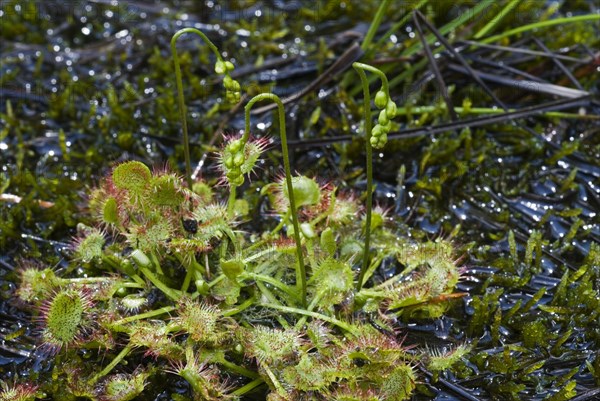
[[281, 307]]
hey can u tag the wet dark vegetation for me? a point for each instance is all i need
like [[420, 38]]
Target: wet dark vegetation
[[130, 270]]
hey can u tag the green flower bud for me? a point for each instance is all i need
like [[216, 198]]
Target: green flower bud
[[381, 99], [220, 67], [235, 145], [228, 161], [391, 109], [379, 142], [233, 97], [383, 117], [235, 86], [234, 172], [229, 66], [377, 131], [238, 159], [235, 180], [227, 82]]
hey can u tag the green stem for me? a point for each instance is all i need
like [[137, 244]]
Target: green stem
[[270, 280], [372, 267], [360, 69], [257, 255], [124, 352], [85, 280], [300, 270], [310, 250], [216, 280], [399, 24], [240, 370], [499, 17], [145, 315], [273, 301], [139, 280], [278, 387], [248, 387], [188, 278], [342, 325], [191, 379], [240, 308], [384, 81], [375, 25], [180, 100], [310, 307], [171, 293], [231, 202], [156, 263], [369, 165], [463, 20], [542, 24], [282, 222], [488, 110], [233, 239]]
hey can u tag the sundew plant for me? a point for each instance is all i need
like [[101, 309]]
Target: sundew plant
[[167, 285]]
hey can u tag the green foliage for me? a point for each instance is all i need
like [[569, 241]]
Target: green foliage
[[64, 317], [169, 275], [218, 284], [18, 392], [132, 176], [121, 387], [306, 191]]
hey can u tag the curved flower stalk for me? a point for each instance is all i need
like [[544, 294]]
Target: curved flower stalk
[[376, 137], [300, 269], [222, 67]]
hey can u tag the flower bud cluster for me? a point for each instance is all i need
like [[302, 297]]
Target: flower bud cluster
[[388, 111], [232, 162], [238, 157], [233, 88]]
